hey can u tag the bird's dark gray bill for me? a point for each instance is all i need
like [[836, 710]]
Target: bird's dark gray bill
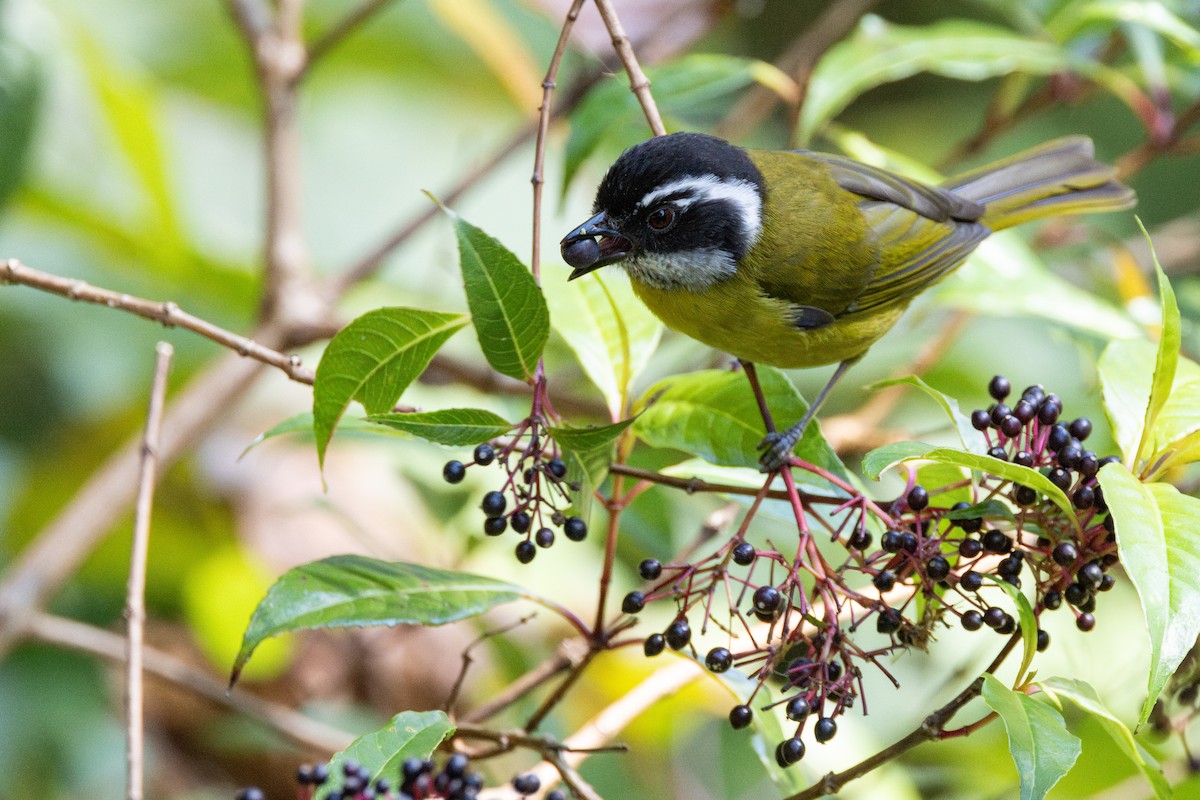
[[580, 249]]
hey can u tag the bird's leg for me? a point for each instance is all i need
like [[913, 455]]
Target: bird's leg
[[777, 447], [756, 387]]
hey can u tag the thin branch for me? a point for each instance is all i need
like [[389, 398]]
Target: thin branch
[[296, 727], [639, 84], [339, 32], [569, 654], [166, 313], [135, 594]]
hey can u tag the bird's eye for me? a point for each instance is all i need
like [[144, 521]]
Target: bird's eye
[[661, 218]]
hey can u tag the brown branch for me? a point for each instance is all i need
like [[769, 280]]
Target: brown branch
[[166, 313], [135, 595], [639, 84], [339, 32], [569, 654], [303, 731]]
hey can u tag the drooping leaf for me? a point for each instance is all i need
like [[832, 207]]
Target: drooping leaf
[[507, 306], [877, 460], [448, 426], [971, 439], [373, 359], [409, 734], [302, 423], [713, 414], [1156, 537], [355, 591], [1027, 621], [1042, 748], [1084, 696], [610, 331], [880, 52], [1166, 359]]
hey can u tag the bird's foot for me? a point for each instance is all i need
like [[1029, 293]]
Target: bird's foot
[[776, 449]]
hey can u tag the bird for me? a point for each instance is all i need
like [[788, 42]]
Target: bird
[[798, 258]]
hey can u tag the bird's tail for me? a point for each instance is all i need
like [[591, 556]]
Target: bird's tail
[[1058, 177]]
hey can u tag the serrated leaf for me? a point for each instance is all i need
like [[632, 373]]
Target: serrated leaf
[[355, 591], [455, 427], [883, 457], [590, 448], [880, 52], [610, 331], [1156, 538], [409, 734], [1084, 696], [713, 414], [372, 360], [971, 439], [507, 306], [1042, 748]]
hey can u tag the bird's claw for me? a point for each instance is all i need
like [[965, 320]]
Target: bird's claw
[[776, 451]]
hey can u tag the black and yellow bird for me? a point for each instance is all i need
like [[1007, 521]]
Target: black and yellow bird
[[799, 258]]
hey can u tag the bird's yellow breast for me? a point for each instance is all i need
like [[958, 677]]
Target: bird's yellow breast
[[735, 316]]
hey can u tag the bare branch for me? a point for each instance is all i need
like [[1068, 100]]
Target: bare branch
[[165, 313], [135, 597], [307, 733], [639, 84]]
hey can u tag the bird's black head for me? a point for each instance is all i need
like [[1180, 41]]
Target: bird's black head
[[677, 211]]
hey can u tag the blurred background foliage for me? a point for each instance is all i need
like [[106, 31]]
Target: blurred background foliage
[[131, 157]]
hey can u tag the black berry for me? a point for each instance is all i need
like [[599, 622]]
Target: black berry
[[575, 529], [633, 602], [972, 620], [994, 617], [525, 551], [970, 581], [890, 541], [654, 644], [1080, 428], [888, 621], [520, 521], [937, 568], [557, 468], [493, 504], [743, 554], [1064, 554], [678, 634], [825, 729], [454, 472], [484, 454], [981, 420], [526, 784], [918, 498], [650, 569], [969, 548], [1057, 438], [544, 537], [999, 387], [884, 581], [1043, 640], [798, 709], [740, 717], [494, 526], [996, 541], [789, 751], [767, 599], [719, 659], [1085, 622]]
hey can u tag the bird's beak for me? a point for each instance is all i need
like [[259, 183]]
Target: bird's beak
[[581, 251]]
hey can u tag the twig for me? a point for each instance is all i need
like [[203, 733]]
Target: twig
[[696, 485], [930, 728], [452, 698], [569, 654], [338, 33], [543, 129], [306, 733], [165, 313], [639, 84], [135, 594]]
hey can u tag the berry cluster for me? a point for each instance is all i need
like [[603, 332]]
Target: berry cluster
[[535, 494], [419, 779], [796, 619]]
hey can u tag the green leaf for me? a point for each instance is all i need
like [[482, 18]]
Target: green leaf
[[971, 439], [449, 426], [1028, 622], [1159, 549], [373, 360], [1166, 359], [880, 52], [610, 331], [1125, 376], [1042, 748], [1084, 696], [355, 591], [410, 734], [507, 306], [591, 447], [881, 458], [713, 414], [302, 423], [989, 509]]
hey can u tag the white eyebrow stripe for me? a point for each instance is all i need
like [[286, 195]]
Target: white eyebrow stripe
[[702, 188]]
